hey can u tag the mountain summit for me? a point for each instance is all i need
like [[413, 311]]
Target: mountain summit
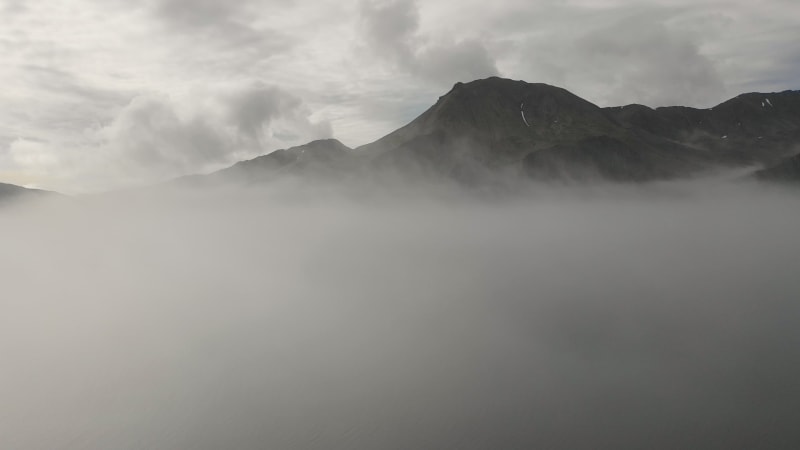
[[504, 114], [492, 123]]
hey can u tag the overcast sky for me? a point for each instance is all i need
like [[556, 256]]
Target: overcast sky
[[102, 94]]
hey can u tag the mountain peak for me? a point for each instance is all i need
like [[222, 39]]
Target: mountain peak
[[498, 82], [514, 114], [500, 103], [504, 87], [324, 143]]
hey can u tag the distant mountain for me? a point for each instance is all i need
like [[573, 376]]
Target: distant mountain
[[14, 192], [750, 128], [497, 126], [320, 159]]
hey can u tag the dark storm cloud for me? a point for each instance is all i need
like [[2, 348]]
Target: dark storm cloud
[[391, 29]]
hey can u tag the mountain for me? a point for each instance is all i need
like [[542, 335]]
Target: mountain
[[500, 127], [13, 192], [750, 128], [323, 158], [548, 132], [490, 124]]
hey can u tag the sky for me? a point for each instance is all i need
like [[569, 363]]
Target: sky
[[108, 94]]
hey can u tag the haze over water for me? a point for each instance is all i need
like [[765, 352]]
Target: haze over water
[[657, 316]]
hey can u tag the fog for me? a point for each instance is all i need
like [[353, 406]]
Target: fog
[[629, 317]]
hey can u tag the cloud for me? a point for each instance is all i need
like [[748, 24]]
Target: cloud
[[254, 109], [232, 22], [639, 58], [198, 13], [463, 60], [391, 29], [13, 6], [149, 135], [615, 55], [157, 137], [214, 35], [659, 53], [54, 80]]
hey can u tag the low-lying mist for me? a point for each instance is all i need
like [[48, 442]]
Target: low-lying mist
[[661, 316]]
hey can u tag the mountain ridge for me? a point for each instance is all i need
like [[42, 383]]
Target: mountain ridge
[[540, 131]]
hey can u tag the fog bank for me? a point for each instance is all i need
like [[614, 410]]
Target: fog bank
[[626, 317]]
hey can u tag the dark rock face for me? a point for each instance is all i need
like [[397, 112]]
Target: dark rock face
[[536, 130]]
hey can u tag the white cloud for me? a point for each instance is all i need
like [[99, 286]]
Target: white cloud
[[391, 28], [158, 137]]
